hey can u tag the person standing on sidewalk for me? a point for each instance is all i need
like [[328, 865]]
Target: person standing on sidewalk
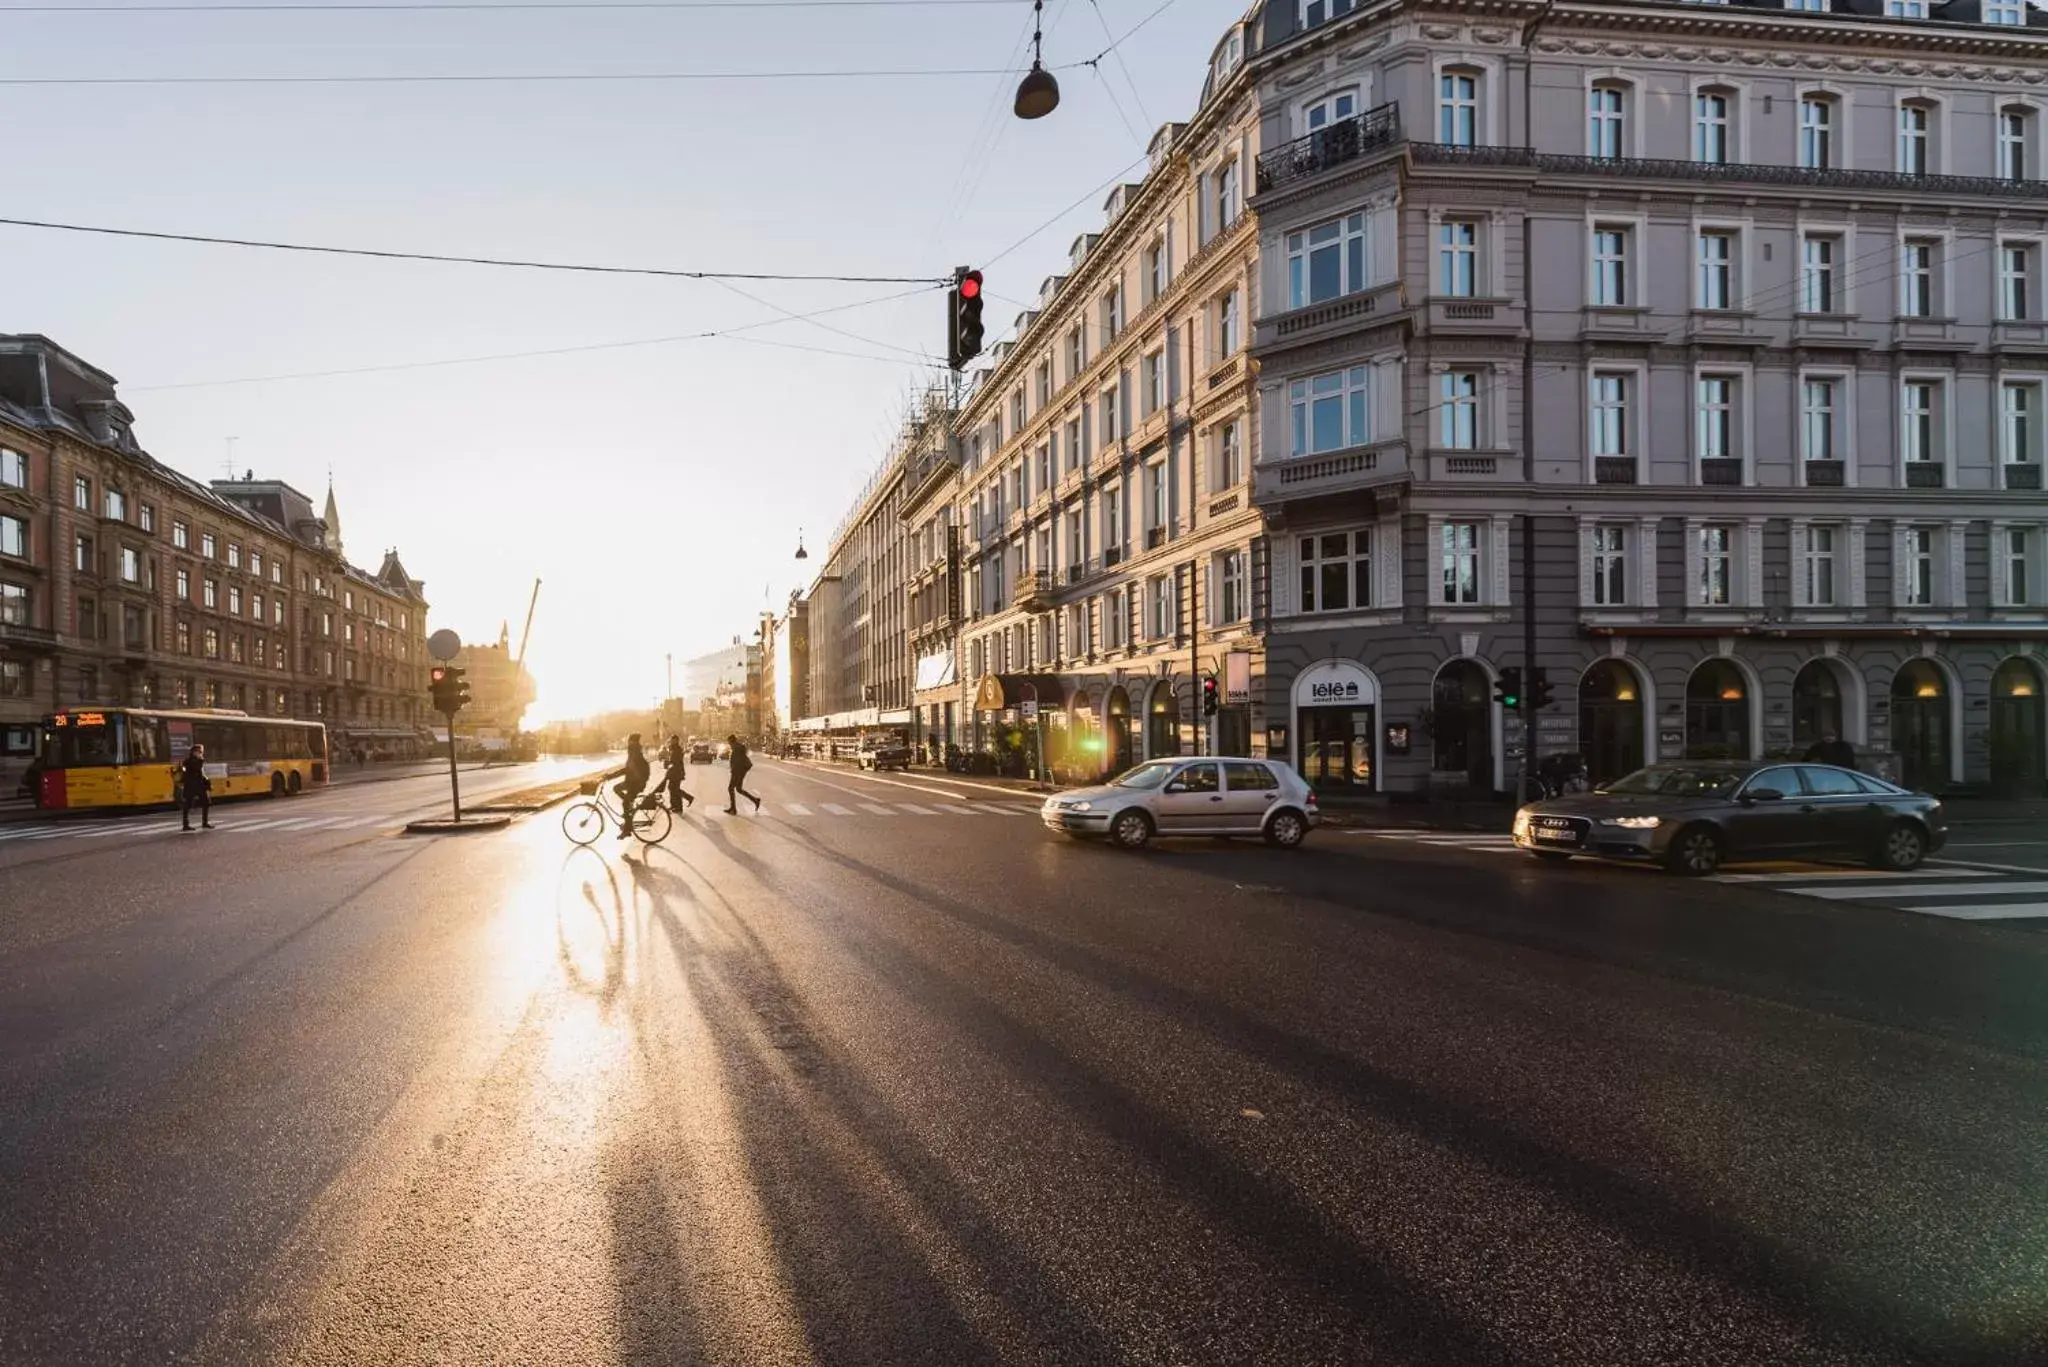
[[194, 788], [736, 779]]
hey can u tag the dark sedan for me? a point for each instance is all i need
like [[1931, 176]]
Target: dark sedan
[[1693, 817]]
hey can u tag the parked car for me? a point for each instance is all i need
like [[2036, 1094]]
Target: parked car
[[1226, 796], [702, 752], [885, 752], [1694, 817]]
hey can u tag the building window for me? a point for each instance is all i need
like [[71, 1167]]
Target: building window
[[1609, 417], [131, 565], [2019, 403], [1818, 415], [1458, 407], [1916, 124], [2018, 551], [13, 536], [1818, 255], [234, 556], [1905, 9], [1154, 272], [1112, 432], [210, 592], [1457, 258], [1326, 261], [234, 600], [1112, 315], [1610, 266], [1610, 566], [88, 611], [235, 651], [1717, 566], [1229, 455], [1112, 525], [1604, 112], [1329, 412], [1227, 334], [1230, 597], [256, 563], [1159, 596], [1919, 421], [184, 638], [1916, 278], [2005, 11], [88, 683], [81, 494], [2015, 140], [1460, 562], [1710, 127], [82, 558], [1458, 108], [1816, 132], [1917, 571], [1328, 109], [13, 679], [14, 601], [1077, 354], [1158, 491], [1336, 571], [1819, 566], [206, 545], [1227, 204], [145, 517], [1154, 373], [1115, 619], [13, 469], [116, 505], [1715, 405], [2015, 276], [1716, 254], [209, 643], [181, 536]]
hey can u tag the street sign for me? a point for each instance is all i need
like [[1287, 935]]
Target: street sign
[[1237, 678], [1030, 709], [443, 644]]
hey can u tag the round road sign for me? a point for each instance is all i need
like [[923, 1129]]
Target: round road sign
[[443, 644]]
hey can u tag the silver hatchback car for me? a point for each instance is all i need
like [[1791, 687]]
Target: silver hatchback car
[[1222, 796]]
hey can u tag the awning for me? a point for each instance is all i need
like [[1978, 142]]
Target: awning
[[999, 692]]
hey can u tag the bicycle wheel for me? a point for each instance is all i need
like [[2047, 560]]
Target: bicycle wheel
[[652, 824], [583, 822]]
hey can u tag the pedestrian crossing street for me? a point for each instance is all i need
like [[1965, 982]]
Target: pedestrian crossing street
[[1962, 894], [236, 823]]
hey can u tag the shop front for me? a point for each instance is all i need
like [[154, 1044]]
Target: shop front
[[1336, 726], [2018, 758]]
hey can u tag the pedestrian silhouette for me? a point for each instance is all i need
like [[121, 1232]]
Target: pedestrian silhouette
[[632, 783], [736, 779], [194, 788], [673, 769]]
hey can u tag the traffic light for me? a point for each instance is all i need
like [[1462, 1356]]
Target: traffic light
[[1539, 689], [963, 318], [1507, 690], [449, 688], [1209, 695]]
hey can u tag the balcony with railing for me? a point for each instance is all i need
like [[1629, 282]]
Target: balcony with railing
[[1333, 145], [1331, 472], [2022, 476], [1033, 592], [1925, 474], [1724, 471], [1826, 474], [1615, 470]]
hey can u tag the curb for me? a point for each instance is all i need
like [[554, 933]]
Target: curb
[[466, 826]]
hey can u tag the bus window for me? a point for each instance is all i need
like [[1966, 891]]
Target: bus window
[[316, 736], [146, 741], [73, 746], [223, 741]]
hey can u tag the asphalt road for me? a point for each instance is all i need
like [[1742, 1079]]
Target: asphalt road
[[887, 1074]]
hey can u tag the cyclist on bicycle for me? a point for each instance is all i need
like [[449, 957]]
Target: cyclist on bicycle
[[673, 768], [631, 784]]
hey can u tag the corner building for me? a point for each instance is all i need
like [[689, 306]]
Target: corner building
[[1108, 546], [1726, 320]]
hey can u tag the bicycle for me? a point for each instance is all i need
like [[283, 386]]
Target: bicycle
[[599, 811]]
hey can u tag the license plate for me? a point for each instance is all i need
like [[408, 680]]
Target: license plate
[[1558, 837]]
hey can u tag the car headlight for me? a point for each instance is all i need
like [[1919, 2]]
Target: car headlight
[[1080, 806], [1521, 821], [1632, 823]]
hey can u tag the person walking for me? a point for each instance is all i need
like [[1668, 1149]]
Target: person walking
[[194, 788], [1831, 749], [673, 768], [736, 777], [632, 783]]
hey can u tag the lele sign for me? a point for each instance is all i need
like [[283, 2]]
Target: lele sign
[[1335, 683]]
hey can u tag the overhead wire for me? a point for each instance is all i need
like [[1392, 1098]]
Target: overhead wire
[[527, 77], [794, 317], [1136, 98], [987, 130], [495, 7]]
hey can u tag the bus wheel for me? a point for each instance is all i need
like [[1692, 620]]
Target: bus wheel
[[277, 785], [295, 783]]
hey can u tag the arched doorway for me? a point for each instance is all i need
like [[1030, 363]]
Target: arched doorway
[[1162, 721], [1717, 705], [1337, 739], [2019, 709], [1610, 720], [1817, 707], [1920, 725], [1116, 731], [1461, 724]]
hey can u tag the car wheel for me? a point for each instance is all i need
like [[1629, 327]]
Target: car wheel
[[1131, 829], [1286, 830], [1902, 848], [1551, 856], [1695, 851]]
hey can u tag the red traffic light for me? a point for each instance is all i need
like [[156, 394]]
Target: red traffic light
[[436, 674], [970, 285]]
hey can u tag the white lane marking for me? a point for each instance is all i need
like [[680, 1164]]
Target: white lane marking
[[796, 809], [1843, 875], [877, 809], [914, 809], [312, 823], [836, 809], [1942, 894], [255, 825], [1980, 864], [892, 782], [65, 831], [355, 822], [1982, 911], [961, 809]]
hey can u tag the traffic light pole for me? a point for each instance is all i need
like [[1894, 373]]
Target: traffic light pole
[[454, 784], [1528, 656]]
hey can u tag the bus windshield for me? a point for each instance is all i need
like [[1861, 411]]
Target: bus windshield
[[86, 740]]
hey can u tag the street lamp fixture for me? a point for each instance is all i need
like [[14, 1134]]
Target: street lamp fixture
[[1038, 94], [801, 553]]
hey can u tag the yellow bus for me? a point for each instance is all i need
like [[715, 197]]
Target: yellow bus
[[130, 756]]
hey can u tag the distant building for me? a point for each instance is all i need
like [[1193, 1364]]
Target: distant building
[[500, 689]]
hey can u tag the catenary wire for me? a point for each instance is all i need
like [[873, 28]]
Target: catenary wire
[[452, 259], [529, 77], [496, 7]]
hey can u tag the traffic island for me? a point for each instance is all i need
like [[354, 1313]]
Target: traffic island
[[466, 826]]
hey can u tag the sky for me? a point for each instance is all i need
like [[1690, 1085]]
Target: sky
[[656, 489]]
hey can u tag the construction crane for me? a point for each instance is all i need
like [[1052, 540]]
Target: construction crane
[[526, 633]]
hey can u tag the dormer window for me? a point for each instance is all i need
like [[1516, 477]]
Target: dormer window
[[1229, 55], [2005, 11], [1315, 12], [1905, 9]]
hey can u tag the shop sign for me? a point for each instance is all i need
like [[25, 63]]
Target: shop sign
[[1237, 678]]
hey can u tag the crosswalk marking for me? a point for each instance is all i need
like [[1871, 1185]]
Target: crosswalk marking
[[914, 809], [959, 809], [1986, 911], [1978, 890], [876, 809], [1476, 841], [836, 809], [1864, 875], [796, 809]]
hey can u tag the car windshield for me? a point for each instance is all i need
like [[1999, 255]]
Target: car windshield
[[1677, 780], [1144, 776]]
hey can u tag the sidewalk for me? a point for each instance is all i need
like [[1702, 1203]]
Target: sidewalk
[[15, 809]]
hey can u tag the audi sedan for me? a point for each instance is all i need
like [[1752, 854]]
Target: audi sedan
[[1229, 796], [1694, 817]]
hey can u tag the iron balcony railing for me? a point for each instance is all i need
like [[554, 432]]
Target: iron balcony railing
[[1345, 140]]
